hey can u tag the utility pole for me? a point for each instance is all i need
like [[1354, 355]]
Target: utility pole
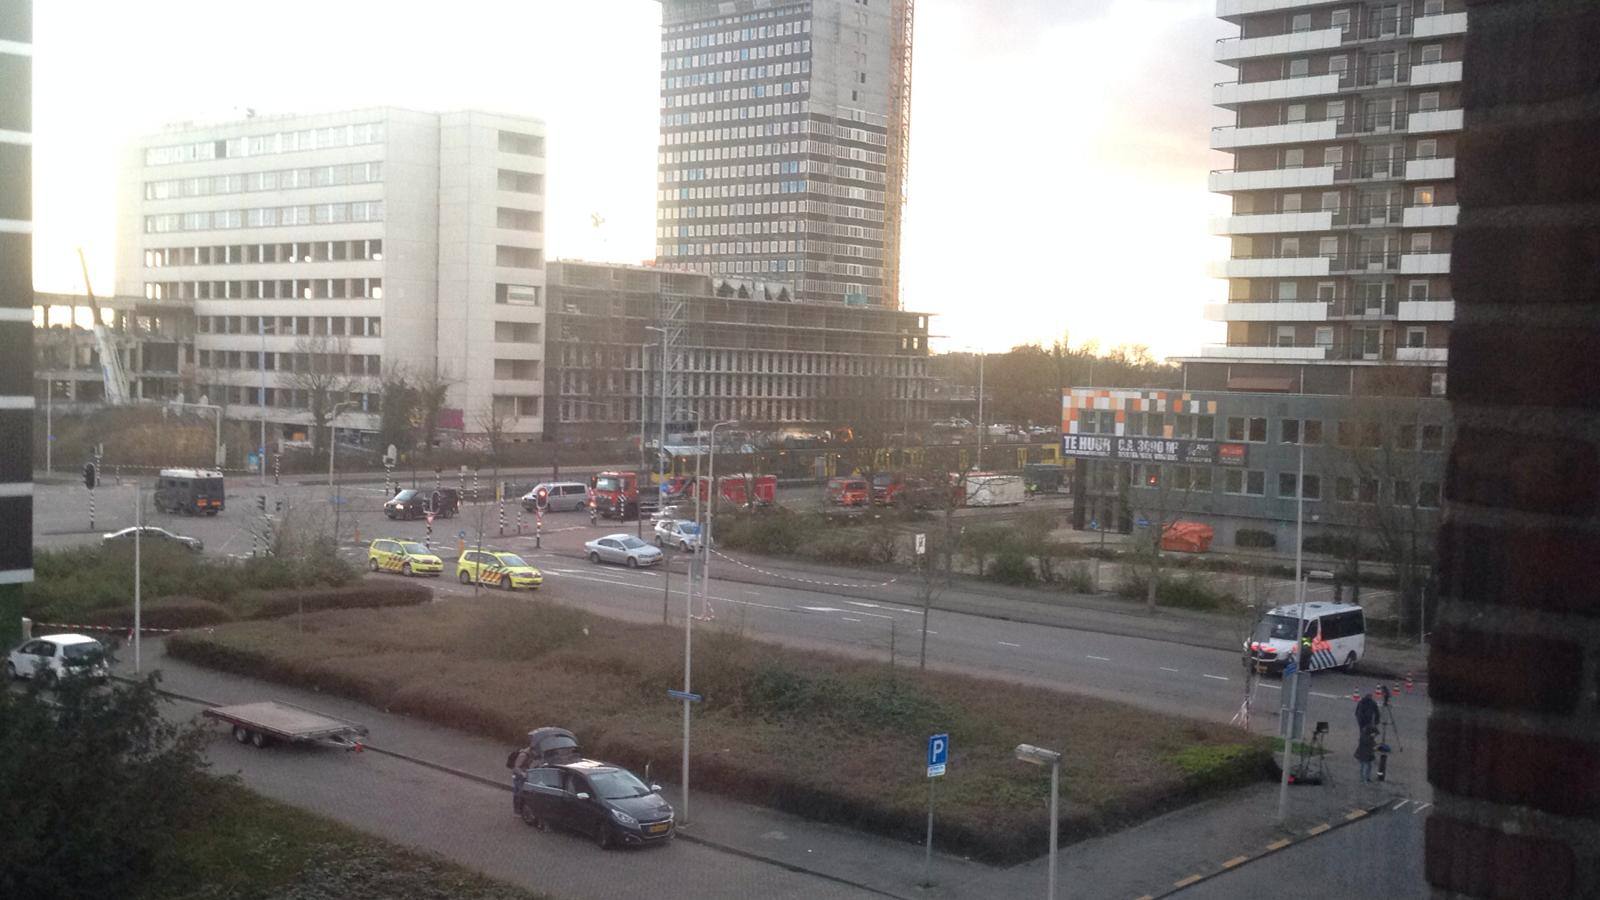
[[261, 454], [1292, 689], [981, 355], [138, 572]]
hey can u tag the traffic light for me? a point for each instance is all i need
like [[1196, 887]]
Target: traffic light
[[542, 499], [91, 475], [261, 503]]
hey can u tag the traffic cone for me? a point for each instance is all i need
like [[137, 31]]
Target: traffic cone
[[1410, 683]]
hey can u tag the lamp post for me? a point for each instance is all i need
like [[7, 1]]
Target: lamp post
[[711, 505], [333, 444], [982, 355], [1292, 689], [1039, 756], [217, 450]]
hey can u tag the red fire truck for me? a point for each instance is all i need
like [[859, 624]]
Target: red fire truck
[[742, 489], [615, 494]]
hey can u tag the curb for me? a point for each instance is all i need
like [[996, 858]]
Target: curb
[[1350, 818], [490, 782]]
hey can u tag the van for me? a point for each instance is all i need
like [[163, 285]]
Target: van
[[190, 492], [561, 496], [1337, 631]]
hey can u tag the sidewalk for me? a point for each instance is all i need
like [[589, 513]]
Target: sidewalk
[[1144, 860]]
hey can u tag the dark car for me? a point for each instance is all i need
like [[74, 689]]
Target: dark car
[[607, 803], [414, 504]]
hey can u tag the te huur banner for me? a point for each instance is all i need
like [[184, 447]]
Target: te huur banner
[[1152, 449]]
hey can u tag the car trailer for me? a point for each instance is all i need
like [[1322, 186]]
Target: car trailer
[[272, 720]]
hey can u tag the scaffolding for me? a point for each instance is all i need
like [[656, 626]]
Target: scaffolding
[[902, 14]]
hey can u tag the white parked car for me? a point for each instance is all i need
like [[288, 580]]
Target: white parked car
[[57, 656], [681, 533], [624, 549], [152, 533]]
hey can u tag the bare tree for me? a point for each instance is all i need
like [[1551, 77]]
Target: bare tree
[[1159, 494], [320, 371], [432, 390]]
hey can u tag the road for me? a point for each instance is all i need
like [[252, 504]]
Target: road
[[864, 619]]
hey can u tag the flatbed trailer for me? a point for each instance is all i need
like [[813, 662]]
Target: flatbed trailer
[[273, 720]]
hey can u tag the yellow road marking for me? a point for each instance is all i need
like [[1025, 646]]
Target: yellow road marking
[[1354, 814], [1145, 897], [1320, 828], [1279, 844], [1235, 861], [1187, 881]]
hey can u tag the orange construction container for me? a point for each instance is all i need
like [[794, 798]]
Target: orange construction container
[[1188, 537]]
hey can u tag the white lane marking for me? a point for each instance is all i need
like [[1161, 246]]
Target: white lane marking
[[1007, 644], [933, 632], [1168, 669], [1326, 696], [1271, 687], [877, 615], [821, 609], [1101, 658], [848, 619], [1216, 677], [1399, 804], [1420, 808]]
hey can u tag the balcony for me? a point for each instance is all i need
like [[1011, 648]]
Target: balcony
[[1272, 354], [1435, 169], [1442, 24], [1273, 223], [1224, 180], [1226, 137], [1227, 9], [1431, 216], [1425, 264], [1363, 308], [1428, 310], [1232, 49], [1271, 267], [1436, 73], [1422, 354], [1372, 123], [1434, 120], [1272, 311], [1233, 93]]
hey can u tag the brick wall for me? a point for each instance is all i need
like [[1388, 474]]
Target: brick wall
[[1514, 743]]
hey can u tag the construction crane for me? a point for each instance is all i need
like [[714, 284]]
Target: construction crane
[[901, 16], [116, 378]]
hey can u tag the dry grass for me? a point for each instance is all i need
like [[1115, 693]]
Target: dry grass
[[826, 737]]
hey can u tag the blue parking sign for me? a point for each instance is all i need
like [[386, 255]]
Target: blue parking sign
[[938, 754]]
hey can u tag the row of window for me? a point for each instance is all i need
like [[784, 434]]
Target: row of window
[[735, 55], [277, 180], [769, 226], [1373, 297], [730, 95], [737, 73], [1253, 429], [355, 364], [266, 217], [735, 113], [284, 398], [265, 144], [267, 289], [292, 326], [719, 38], [1253, 483], [786, 167], [252, 254]]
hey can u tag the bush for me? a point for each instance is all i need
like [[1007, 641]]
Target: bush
[[980, 543], [1255, 537], [1191, 590], [1011, 567], [368, 594], [172, 612], [775, 531], [1078, 579], [1336, 545], [93, 784]]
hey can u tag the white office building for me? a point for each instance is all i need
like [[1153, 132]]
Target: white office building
[[348, 244]]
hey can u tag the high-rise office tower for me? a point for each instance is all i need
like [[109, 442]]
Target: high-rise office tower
[[1343, 193], [326, 250], [783, 143]]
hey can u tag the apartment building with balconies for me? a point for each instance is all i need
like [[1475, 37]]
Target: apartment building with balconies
[[1346, 116], [347, 244]]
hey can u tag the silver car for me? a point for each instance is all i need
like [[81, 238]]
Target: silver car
[[681, 533], [152, 533], [622, 548]]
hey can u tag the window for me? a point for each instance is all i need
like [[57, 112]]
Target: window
[[1417, 290], [1324, 337], [1233, 481], [1236, 428], [1345, 434], [522, 144], [1422, 196], [1288, 431], [518, 257], [1205, 428], [1291, 203], [1286, 335], [1258, 430], [1416, 336], [1433, 436], [518, 219], [1402, 493], [1289, 247], [1432, 53], [1300, 22], [1428, 101], [1311, 432], [1344, 490], [1313, 487], [1406, 437], [1255, 483], [1287, 290], [1294, 158], [518, 294], [1428, 494], [1296, 113], [1286, 484], [519, 182], [1328, 247], [1330, 201], [1427, 149], [1334, 111], [1339, 65], [1341, 20], [1422, 243], [1299, 68], [1372, 435]]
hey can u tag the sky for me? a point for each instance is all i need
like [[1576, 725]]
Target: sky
[[1059, 148]]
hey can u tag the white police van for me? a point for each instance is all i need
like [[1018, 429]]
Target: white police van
[[1337, 633]]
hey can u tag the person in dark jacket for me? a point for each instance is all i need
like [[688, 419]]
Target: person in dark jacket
[[1367, 712], [1366, 751]]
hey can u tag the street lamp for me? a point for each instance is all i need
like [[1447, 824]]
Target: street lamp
[[1039, 756], [711, 505], [333, 443]]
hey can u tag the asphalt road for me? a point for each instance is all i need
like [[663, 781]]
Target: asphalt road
[[1156, 674]]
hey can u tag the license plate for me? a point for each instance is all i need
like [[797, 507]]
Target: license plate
[[657, 829]]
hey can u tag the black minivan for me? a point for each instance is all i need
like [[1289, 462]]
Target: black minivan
[[411, 504], [605, 802]]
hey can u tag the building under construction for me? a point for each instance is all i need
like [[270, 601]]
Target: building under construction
[[153, 340], [724, 348], [785, 127]]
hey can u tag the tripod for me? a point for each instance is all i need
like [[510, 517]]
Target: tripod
[[1313, 765], [1386, 720]]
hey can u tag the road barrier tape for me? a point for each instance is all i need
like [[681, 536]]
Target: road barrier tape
[[849, 584], [117, 628]]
